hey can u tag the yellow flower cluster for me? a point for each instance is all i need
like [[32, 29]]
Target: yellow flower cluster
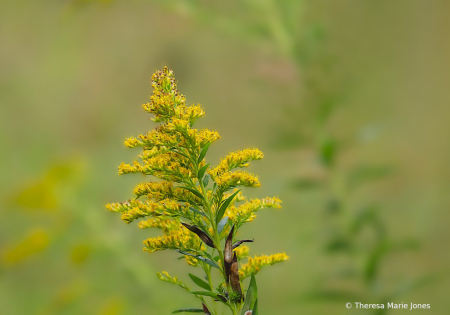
[[132, 142], [165, 98], [135, 209], [164, 276], [239, 197], [205, 136], [162, 190], [166, 148], [237, 178], [177, 133], [163, 223], [154, 139], [191, 260], [176, 239], [242, 251], [236, 159], [166, 102], [156, 189], [174, 152], [246, 212], [255, 264], [165, 166]]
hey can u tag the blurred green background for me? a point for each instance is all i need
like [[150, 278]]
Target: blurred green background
[[348, 100]]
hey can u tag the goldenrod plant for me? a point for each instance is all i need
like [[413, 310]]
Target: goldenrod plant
[[198, 207]]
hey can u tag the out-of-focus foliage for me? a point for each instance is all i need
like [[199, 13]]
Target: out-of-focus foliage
[[356, 90]]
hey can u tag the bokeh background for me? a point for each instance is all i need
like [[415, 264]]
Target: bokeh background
[[349, 101]]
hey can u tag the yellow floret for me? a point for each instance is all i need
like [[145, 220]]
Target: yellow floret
[[255, 264]]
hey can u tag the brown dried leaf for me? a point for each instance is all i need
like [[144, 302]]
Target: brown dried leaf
[[240, 242], [203, 236], [228, 250], [205, 309], [234, 277]]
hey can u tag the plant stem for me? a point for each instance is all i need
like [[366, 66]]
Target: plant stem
[[216, 236]]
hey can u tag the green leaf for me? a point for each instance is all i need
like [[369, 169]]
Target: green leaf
[[252, 295], [202, 171], [194, 191], [255, 308], [205, 260], [225, 205], [198, 212], [188, 310], [203, 153], [207, 255], [222, 224], [205, 293], [200, 282], [209, 262], [206, 180]]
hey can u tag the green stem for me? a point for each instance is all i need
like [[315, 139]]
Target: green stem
[[208, 275], [216, 236]]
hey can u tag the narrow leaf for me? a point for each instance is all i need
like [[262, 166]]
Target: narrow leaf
[[186, 253], [209, 262], [240, 242], [252, 295], [205, 293], [255, 308], [202, 171], [198, 212], [200, 282], [188, 310], [222, 224], [203, 153], [224, 206], [207, 255], [194, 191], [202, 234], [206, 180], [205, 260]]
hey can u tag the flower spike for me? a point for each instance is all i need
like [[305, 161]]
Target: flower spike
[[186, 195]]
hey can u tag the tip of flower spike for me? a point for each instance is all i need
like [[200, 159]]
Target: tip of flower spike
[[132, 142], [255, 264]]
